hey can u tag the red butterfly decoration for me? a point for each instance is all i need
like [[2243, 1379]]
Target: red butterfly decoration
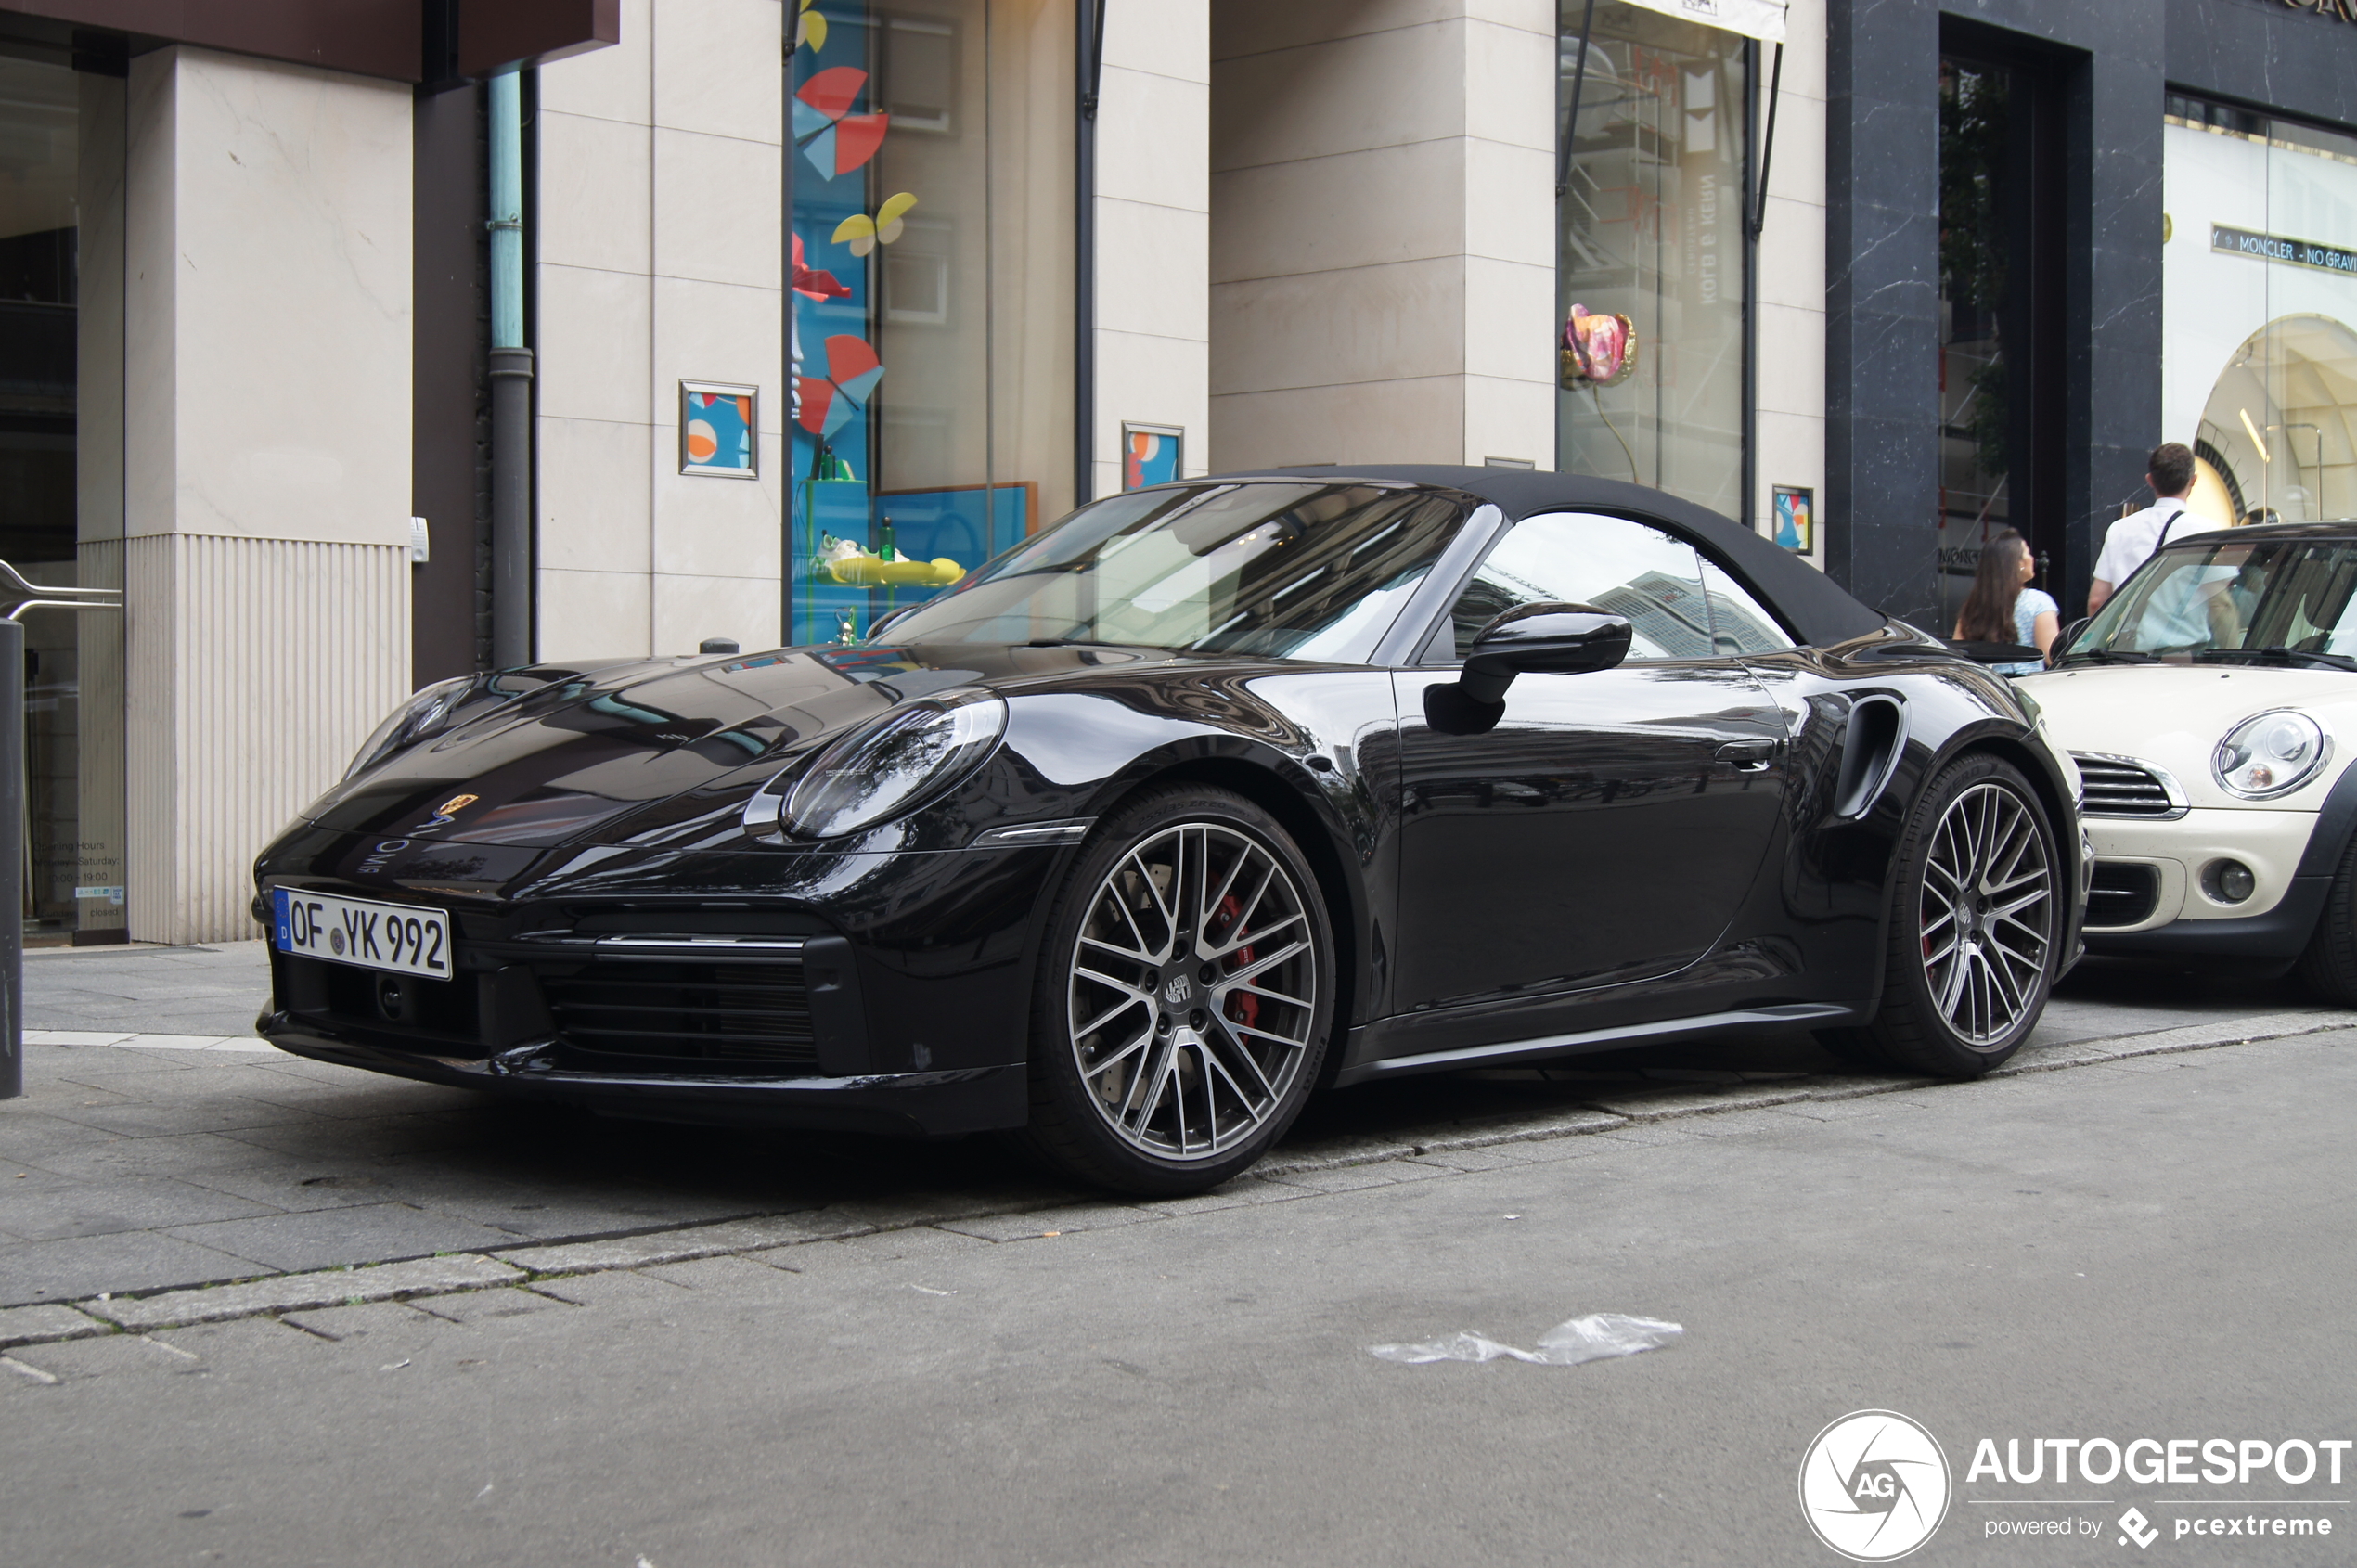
[[828, 401], [834, 138]]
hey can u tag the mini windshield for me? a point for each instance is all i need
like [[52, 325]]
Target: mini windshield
[[1289, 569], [2223, 599]]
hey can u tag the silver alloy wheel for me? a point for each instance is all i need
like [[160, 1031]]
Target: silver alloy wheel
[[1987, 913], [1194, 991]]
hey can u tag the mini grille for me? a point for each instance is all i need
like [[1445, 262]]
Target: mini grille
[[2122, 895], [2122, 789], [683, 1009]]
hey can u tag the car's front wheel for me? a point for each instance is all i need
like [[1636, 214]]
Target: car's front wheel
[[2329, 963], [1975, 926], [1186, 990]]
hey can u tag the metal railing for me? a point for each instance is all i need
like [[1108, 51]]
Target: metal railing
[[20, 596]]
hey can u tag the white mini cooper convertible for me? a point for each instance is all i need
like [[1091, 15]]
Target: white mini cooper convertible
[[2212, 710]]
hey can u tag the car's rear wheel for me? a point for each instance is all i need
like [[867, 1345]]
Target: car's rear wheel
[[2329, 963], [1975, 927], [1186, 989]]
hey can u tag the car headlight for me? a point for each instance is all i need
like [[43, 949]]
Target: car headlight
[[2271, 755], [414, 720], [894, 764]]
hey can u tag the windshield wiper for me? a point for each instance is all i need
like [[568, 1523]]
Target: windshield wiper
[[2278, 654], [2110, 656]]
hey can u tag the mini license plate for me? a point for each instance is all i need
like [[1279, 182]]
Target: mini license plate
[[398, 938]]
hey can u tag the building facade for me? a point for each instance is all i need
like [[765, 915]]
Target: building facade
[[364, 343]]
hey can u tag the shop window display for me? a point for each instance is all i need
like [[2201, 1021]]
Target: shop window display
[[1650, 254], [931, 241], [2259, 311]]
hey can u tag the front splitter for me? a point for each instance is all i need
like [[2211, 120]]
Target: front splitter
[[943, 1104]]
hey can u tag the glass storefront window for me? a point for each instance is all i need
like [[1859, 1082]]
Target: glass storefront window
[[60, 474], [931, 244], [1651, 229], [2259, 311]]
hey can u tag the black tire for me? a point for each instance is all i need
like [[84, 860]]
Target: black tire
[[2328, 964], [1956, 1005], [1856, 1046], [1193, 1027]]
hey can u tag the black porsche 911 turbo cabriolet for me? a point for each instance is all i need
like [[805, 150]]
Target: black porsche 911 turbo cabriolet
[[1209, 797]]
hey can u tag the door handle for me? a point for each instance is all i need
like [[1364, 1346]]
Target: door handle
[[1749, 756]]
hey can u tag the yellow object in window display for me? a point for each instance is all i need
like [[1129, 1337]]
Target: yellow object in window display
[[848, 564]]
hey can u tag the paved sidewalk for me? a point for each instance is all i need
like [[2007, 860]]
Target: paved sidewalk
[[201, 991], [146, 1166]]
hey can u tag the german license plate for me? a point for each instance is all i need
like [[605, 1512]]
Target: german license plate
[[397, 938]]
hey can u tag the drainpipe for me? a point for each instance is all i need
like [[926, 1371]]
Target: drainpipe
[[510, 387], [1090, 46]]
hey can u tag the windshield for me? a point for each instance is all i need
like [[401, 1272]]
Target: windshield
[[1289, 569], [2227, 599]]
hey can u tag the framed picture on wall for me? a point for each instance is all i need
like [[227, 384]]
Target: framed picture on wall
[[1150, 453], [1796, 516], [719, 430]]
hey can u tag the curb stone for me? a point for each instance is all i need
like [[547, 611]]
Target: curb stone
[[468, 1271], [289, 1293], [1661, 1107], [655, 1248], [46, 1323]]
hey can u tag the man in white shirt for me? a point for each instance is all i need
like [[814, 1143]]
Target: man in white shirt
[[2132, 540]]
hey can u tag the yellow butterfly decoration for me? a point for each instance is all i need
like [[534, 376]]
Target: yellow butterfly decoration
[[810, 28], [863, 232]]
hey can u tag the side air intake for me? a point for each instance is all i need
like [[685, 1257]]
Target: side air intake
[[1870, 747]]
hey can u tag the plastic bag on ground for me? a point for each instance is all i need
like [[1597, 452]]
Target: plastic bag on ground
[[1597, 1337]]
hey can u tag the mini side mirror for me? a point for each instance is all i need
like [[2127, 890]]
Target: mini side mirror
[[2064, 639], [1558, 639]]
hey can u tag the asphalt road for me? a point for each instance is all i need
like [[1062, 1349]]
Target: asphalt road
[[2156, 1247]]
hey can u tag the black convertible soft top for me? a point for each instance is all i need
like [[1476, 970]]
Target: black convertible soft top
[[1817, 609]]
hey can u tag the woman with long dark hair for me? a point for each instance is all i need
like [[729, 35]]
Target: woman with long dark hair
[[2003, 606]]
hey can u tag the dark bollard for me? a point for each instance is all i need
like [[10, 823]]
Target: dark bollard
[[12, 860]]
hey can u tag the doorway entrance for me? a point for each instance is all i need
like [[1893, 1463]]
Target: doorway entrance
[[61, 159], [2001, 377]]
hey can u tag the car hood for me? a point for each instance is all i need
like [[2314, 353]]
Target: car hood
[[2173, 715], [561, 755]]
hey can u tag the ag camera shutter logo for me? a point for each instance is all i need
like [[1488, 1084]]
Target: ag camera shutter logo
[[1875, 1485]]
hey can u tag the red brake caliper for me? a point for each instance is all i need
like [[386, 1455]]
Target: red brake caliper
[[1243, 1009]]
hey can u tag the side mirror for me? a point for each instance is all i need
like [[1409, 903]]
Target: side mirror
[[2064, 639], [1558, 639]]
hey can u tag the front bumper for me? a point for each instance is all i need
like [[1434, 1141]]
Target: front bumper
[[867, 992], [2149, 882]]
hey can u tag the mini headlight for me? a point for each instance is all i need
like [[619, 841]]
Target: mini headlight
[[2271, 755], [412, 721], [894, 764]]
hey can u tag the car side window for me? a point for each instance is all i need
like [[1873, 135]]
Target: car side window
[[1740, 623], [1629, 567]]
